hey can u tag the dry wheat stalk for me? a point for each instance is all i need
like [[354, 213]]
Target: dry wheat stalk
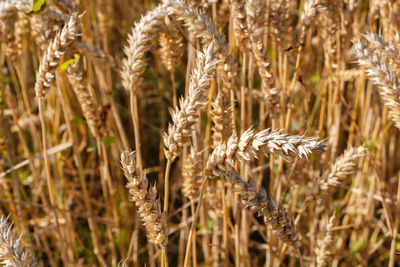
[[251, 144], [134, 64], [221, 111], [379, 72], [13, 253], [146, 200], [185, 116], [205, 29], [323, 250], [172, 47], [255, 23], [343, 166], [238, 12], [51, 57], [191, 173], [266, 206], [90, 109]]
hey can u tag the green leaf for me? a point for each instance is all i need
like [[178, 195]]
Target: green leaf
[[77, 120], [38, 5], [23, 175], [65, 64], [210, 224], [109, 140], [91, 148]]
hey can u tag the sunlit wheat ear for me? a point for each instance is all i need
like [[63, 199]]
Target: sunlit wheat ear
[[134, 64], [381, 72], [191, 173], [12, 250], [238, 12], [172, 47], [186, 115], [265, 205], [255, 24], [146, 200], [221, 111], [323, 250], [90, 109], [206, 31], [251, 145], [51, 57], [343, 166]]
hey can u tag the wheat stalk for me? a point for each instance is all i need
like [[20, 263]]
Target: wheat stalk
[[191, 173], [55, 50]]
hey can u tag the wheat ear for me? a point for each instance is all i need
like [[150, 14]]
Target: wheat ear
[[55, 50], [322, 251], [172, 47], [134, 64], [186, 115], [255, 24], [90, 109], [191, 173], [221, 111], [383, 74], [343, 166], [12, 250], [251, 144], [205, 29], [146, 200], [266, 206], [239, 23]]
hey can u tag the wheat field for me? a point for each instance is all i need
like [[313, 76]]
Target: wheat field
[[200, 133]]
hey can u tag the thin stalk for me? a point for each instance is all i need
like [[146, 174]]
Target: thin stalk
[[194, 223], [194, 248], [49, 179]]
